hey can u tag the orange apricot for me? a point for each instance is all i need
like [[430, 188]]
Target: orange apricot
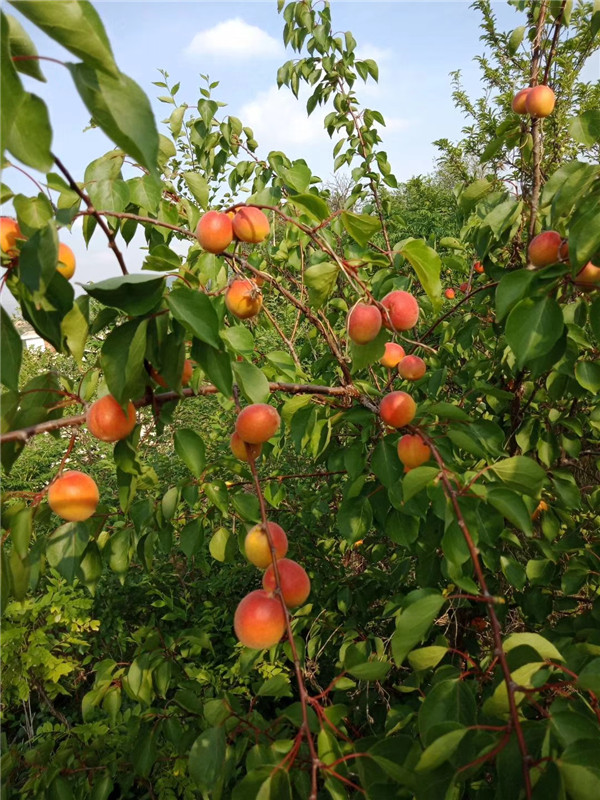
[[9, 233], [66, 261], [412, 451], [243, 450], [518, 101], [544, 249], [257, 548], [107, 421], [74, 496], [397, 409], [403, 310], [214, 231], [243, 298], [295, 583], [186, 374], [540, 101], [478, 267], [588, 277], [250, 225], [259, 620], [364, 323], [394, 353], [450, 294], [412, 368], [257, 423]]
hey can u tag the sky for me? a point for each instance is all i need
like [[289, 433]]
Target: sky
[[416, 44]]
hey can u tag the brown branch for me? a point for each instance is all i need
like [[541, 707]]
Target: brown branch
[[137, 218], [289, 344], [453, 309], [558, 22], [97, 216], [536, 130]]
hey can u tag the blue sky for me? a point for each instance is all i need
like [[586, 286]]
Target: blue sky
[[416, 45]]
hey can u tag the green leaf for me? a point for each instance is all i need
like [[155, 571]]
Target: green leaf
[[386, 464], [427, 264], [30, 136], [512, 287], [76, 25], [533, 327], [277, 686], [145, 192], [21, 45], [363, 355], [588, 375], [510, 505], [74, 328], [195, 310], [542, 646], [252, 381], [222, 546], [198, 186], [207, 757], [121, 109], [473, 194], [314, 205], [416, 480], [584, 234], [321, 280], [440, 750], [413, 623], [190, 448], [354, 518], [122, 360], [216, 365], [12, 352], [370, 670], [497, 704], [589, 677], [426, 657], [515, 39], [133, 294], [361, 227], [520, 473], [65, 547], [586, 127]]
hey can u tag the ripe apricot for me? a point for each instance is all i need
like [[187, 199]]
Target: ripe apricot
[[243, 298], [107, 421], [295, 583], [412, 451], [463, 287], [544, 249], [251, 225], [540, 101], [257, 548], [66, 261], [412, 368], [394, 353], [397, 409], [243, 450], [214, 232], [74, 496], [588, 277], [259, 620], [403, 310], [364, 323], [9, 233], [186, 374], [257, 423], [450, 294], [518, 101], [478, 267]]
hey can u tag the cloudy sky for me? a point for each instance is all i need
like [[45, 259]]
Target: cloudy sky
[[416, 45]]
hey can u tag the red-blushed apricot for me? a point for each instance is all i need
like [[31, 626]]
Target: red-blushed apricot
[[364, 323], [295, 583], [394, 353], [251, 225], [544, 249], [412, 368], [74, 496], [257, 548], [478, 268], [463, 287], [243, 450], [214, 232], [588, 277], [518, 101], [257, 423], [397, 409], [259, 620], [66, 261], [412, 451], [403, 310], [540, 101], [541, 507], [9, 233], [186, 374], [243, 298], [450, 294], [107, 421]]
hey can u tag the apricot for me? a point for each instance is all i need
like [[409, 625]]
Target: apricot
[[251, 225], [450, 294], [412, 368], [9, 233], [257, 423], [107, 421], [403, 310], [214, 231], [259, 620], [243, 298], [518, 101], [186, 374], [544, 249], [412, 451], [540, 101], [257, 547], [478, 268], [588, 277], [463, 287], [73, 496], [295, 583], [394, 353], [243, 450], [66, 261], [397, 409], [364, 323]]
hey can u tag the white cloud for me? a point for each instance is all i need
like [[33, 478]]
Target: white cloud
[[234, 39], [278, 119], [378, 54]]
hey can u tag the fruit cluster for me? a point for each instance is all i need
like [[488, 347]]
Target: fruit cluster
[[549, 248], [10, 237], [537, 101]]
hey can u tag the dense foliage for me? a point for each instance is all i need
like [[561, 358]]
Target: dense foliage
[[450, 646]]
